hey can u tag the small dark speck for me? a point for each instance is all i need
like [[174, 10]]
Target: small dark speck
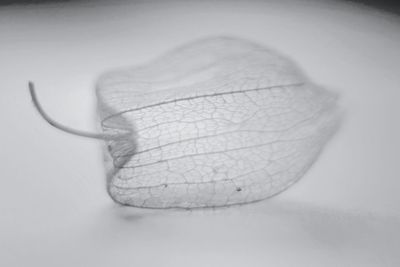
[[165, 185], [238, 189]]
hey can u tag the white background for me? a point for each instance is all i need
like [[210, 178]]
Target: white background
[[53, 204]]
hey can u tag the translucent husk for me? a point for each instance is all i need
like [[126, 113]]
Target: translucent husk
[[216, 122]]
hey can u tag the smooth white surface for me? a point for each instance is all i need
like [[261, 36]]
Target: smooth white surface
[[54, 207]]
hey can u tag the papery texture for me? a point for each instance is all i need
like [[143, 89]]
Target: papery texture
[[217, 122]]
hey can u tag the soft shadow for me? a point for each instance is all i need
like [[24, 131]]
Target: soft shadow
[[271, 225]]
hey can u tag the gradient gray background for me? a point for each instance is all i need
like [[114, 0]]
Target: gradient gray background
[[53, 204]]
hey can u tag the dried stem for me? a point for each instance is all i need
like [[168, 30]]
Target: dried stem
[[102, 136]]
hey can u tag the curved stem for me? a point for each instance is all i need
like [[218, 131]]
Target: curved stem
[[64, 128]]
